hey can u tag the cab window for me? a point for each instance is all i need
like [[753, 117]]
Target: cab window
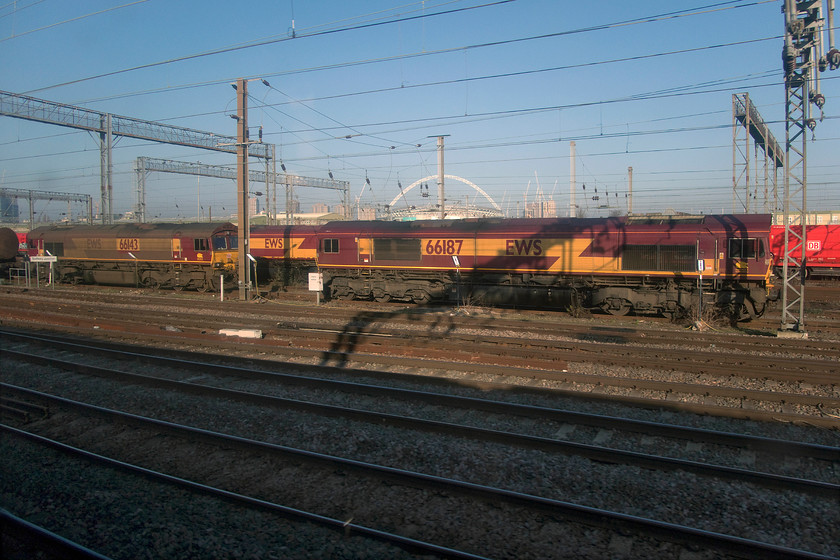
[[200, 244], [746, 248], [330, 246]]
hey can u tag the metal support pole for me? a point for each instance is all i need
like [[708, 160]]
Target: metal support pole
[[242, 186], [441, 193], [572, 180]]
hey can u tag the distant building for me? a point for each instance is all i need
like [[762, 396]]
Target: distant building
[[541, 209], [315, 218], [367, 213], [9, 211], [320, 208], [813, 218], [343, 210]]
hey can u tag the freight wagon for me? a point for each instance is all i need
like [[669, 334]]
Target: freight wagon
[[822, 249]]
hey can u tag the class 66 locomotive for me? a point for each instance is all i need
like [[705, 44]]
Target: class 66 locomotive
[[644, 264], [196, 256], [647, 265]]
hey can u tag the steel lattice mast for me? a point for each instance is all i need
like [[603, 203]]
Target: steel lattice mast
[[108, 126], [803, 60]]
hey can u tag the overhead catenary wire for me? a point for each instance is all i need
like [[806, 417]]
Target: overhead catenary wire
[[224, 50], [490, 142]]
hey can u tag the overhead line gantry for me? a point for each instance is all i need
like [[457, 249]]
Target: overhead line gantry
[[31, 196], [145, 165], [803, 60], [108, 126], [747, 125]]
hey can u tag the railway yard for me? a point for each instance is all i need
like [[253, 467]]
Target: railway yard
[[133, 429]]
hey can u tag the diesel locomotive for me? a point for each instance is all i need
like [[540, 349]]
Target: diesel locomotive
[[648, 265], [644, 264], [195, 256]]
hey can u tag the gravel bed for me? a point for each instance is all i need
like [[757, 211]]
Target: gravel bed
[[126, 516], [205, 529], [784, 518]]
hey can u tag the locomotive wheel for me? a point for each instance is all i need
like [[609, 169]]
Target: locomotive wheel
[[617, 308], [151, 282], [381, 295], [205, 286], [420, 297], [342, 292]]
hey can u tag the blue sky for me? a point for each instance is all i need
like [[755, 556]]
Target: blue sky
[[510, 83]]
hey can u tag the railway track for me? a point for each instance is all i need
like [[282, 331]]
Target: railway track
[[155, 398], [794, 382]]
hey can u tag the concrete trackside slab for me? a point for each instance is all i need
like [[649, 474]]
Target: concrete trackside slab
[[243, 333]]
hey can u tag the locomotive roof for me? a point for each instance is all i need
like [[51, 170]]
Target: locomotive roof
[[203, 229], [726, 222]]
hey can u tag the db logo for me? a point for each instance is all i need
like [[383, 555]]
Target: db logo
[[813, 246]]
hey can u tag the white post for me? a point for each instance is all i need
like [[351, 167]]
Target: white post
[[573, 180], [221, 287]]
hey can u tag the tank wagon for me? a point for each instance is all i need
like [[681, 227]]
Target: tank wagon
[[9, 244], [174, 256], [10, 251], [647, 265], [822, 249]]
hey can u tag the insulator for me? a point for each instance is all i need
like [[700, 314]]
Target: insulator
[[818, 100], [811, 123], [789, 59], [833, 57]]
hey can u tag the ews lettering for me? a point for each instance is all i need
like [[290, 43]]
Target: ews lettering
[[273, 243], [524, 247]]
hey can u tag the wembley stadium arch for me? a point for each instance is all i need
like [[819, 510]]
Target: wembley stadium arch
[[453, 210]]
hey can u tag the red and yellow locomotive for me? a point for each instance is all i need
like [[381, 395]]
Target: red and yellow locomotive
[[177, 256], [650, 265]]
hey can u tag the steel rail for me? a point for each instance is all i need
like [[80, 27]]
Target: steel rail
[[187, 362], [343, 527], [592, 452], [361, 339], [52, 543], [670, 532], [184, 359]]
